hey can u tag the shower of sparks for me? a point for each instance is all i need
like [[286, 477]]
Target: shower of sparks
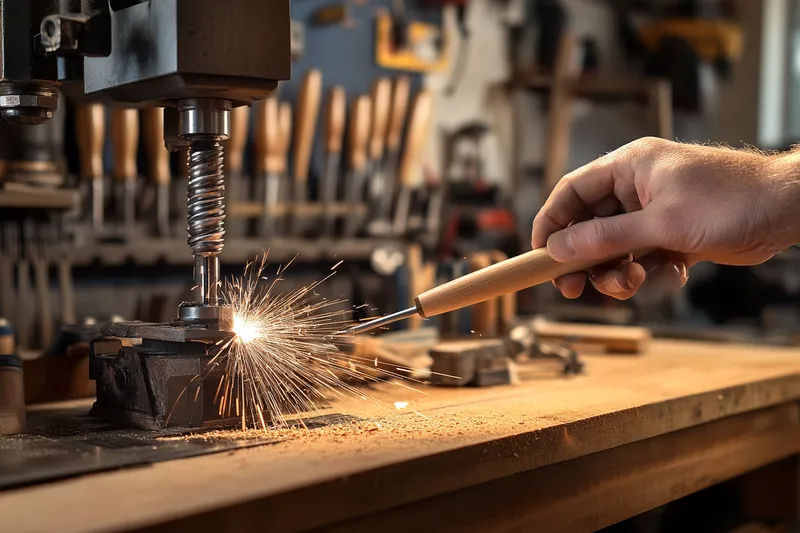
[[283, 359]]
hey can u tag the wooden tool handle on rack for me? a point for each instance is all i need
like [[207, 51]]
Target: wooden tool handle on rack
[[268, 137], [91, 133], [359, 132], [415, 136], [308, 100], [334, 120], [125, 138], [512, 275], [157, 154], [381, 106], [234, 155], [284, 135], [397, 116]]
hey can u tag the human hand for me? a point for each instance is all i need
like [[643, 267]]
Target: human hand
[[688, 203]]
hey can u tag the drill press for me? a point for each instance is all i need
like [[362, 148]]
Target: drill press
[[198, 62]]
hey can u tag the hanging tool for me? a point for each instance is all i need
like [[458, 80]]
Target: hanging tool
[[335, 116], [358, 142], [272, 134], [66, 287], [234, 163], [125, 138], [158, 163], [381, 107], [36, 237], [91, 135], [8, 254], [415, 142], [308, 101], [515, 274], [24, 293], [394, 133]]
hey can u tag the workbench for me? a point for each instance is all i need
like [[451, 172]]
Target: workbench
[[552, 454]]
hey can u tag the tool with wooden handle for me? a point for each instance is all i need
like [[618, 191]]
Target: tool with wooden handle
[[272, 134], [307, 112], [90, 125], [357, 150], [158, 164], [234, 165], [125, 138], [397, 119], [335, 116], [381, 107], [415, 142], [515, 274]]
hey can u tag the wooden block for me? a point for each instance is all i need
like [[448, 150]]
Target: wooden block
[[616, 339], [470, 362]]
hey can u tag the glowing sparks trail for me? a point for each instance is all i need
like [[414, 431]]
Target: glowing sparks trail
[[283, 359]]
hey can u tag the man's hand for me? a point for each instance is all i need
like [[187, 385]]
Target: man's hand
[[689, 203]]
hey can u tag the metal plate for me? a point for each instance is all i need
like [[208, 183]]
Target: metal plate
[[164, 332]]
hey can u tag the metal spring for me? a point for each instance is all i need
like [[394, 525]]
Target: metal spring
[[206, 199]]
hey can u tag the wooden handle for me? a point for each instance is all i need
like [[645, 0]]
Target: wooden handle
[[125, 139], [234, 154], [157, 154], [512, 275], [284, 135], [268, 137], [359, 132], [397, 118], [91, 131], [306, 123], [334, 120], [415, 136], [381, 106]]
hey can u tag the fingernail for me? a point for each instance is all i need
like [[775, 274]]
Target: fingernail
[[618, 285], [681, 272], [559, 246]]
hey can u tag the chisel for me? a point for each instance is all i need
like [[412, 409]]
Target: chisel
[[358, 141], [335, 116], [158, 163], [409, 166], [125, 138], [511, 275], [272, 133], [306, 114], [381, 106], [394, 133], [90, 123]]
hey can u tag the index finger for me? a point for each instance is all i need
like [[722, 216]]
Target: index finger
[[578, 190]]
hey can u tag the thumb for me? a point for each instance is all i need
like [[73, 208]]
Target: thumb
[[601, 239]]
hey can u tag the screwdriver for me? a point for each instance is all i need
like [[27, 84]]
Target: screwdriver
[[334, 131], [91, 133], [381, 107], [125, 138], [357, 146], [499, 279], [158, 161], [272, 134], [234, 163], [306, 114]]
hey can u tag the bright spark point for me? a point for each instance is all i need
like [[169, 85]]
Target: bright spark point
[[400, 405], [246, 331]]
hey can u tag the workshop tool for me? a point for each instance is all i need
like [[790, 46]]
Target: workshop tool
[[485, 315], [272, 135], [36, 238], [612, 339], [8, 254], [158, 165], [435, 205], [66, 288], [12, 392], [308, 102], [479, 362], [381, 107], [515, 274], [335, 116], [24, 293], [416, 135], [508, 302], [91, 135], [234, 163], [358, 141], [394, 133], [125, 138]]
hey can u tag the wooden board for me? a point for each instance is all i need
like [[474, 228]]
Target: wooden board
[[445, 440]]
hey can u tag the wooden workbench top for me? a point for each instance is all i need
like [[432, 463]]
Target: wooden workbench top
[[444, 440]]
